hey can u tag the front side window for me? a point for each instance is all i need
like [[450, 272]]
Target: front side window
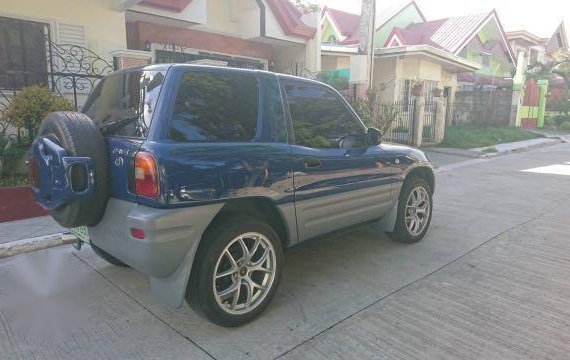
[[321, 119], [123, 104], [216, 107]]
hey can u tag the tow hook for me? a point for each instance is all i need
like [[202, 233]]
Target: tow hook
[[77, 244]]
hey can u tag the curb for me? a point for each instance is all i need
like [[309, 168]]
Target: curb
[[34, 244], [482, 155], [465, 153]]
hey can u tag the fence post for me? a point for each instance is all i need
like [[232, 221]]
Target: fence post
[[418, 124], [440, 116], [543, 85]]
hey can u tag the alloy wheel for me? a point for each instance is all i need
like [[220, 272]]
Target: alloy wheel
[[418, 209], [244, 273]]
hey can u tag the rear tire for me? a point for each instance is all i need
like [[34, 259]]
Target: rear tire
[[414, 216], [77, 134], [108, 257], [252, 275]]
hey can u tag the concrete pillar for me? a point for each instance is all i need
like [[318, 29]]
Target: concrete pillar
[[418, 125], [543, 84], [440, 117], [518, 90], [516, 103], [125, 59], [313, 46]]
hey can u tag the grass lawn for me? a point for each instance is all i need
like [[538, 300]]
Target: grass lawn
[[469, 136], [9, 181]]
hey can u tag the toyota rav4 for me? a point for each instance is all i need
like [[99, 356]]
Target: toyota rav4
[[200, 177]]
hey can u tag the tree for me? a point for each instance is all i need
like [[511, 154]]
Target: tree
[[558, 67], [306, 7]]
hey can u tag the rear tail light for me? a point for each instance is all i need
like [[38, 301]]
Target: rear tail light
[[146, 175]]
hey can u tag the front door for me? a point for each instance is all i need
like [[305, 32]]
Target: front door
[[339, 180]]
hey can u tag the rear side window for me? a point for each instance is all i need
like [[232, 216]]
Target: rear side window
[[216, 107], [123, 104]]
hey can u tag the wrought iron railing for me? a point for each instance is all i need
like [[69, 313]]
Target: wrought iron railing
[[74, 69]]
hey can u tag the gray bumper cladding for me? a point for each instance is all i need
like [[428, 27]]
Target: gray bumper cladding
[[166, 253]]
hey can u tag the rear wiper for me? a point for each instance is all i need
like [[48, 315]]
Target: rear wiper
[[115, 125]]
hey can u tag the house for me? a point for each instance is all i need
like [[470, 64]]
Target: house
[[264, 34], [70, 44], [340, 32], [537, 49], [477, 40], [32, 34]]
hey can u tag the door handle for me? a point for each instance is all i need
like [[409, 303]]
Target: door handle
[[312, 163]]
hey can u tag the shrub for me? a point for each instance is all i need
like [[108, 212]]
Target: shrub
[[376, 114], [559, 119], [565, 126], [28, 108]]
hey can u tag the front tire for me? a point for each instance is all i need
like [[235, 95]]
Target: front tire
[[237, 272], [415, 209]]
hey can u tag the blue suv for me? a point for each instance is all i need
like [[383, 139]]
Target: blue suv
[[201, 176]]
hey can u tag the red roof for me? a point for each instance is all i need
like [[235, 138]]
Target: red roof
[[449, 34], [289, 18], [417, 34], [346, 23]]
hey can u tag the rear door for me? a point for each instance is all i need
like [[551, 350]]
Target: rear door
[[339, 180], [122, 107]]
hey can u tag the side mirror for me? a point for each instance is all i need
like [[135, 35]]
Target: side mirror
[[374, 136]]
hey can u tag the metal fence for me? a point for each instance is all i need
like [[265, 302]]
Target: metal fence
[[430, 115], [402, 128], [482, 108], [481, 113]]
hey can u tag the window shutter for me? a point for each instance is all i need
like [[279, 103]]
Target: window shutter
[[72, 41], [71, 35]]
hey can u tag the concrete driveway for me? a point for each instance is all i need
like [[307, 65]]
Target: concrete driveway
[[491, 280]]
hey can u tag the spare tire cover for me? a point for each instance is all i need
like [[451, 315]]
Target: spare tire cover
[[76, 133]]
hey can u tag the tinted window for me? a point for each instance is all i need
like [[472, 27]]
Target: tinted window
[[123, 104], [216, 107], [321, 119]]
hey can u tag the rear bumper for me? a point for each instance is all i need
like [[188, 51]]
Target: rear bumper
[[171, 235]]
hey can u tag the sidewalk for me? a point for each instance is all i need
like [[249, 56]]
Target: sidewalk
[[501, 149], [516, 146], [28, 228]]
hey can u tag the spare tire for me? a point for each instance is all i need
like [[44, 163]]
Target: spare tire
[[76, 133]]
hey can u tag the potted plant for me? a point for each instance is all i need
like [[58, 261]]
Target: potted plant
[[437, 92], [417, 86]]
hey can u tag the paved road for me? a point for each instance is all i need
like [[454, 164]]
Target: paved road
[[491, 280]]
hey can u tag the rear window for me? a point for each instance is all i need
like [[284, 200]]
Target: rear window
[[216, 107], [123, 104]]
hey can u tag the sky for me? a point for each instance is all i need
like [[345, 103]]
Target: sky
[[539, 17]]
